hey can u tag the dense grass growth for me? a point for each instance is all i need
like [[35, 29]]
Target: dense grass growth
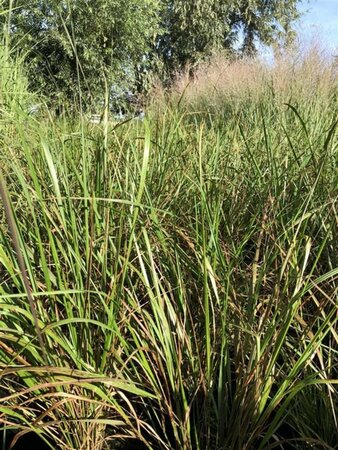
[[173, 281]]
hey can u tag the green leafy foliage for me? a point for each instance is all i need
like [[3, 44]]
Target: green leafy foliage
[[194, 29], [84, 46]]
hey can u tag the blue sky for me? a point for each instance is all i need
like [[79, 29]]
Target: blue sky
[[320, 19]]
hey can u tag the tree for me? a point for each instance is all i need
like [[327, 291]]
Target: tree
[[81, 46], [193, 29]]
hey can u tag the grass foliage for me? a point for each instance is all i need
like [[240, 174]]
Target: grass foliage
[[173, 281]]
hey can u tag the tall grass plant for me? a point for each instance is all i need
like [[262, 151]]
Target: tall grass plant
[[173, 281]]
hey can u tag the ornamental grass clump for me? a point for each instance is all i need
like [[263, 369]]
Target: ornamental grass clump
[[222, 86], [172, 283]]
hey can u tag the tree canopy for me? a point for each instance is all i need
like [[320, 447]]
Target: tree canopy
[[84, 43], [87, 44], [193, 29]]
